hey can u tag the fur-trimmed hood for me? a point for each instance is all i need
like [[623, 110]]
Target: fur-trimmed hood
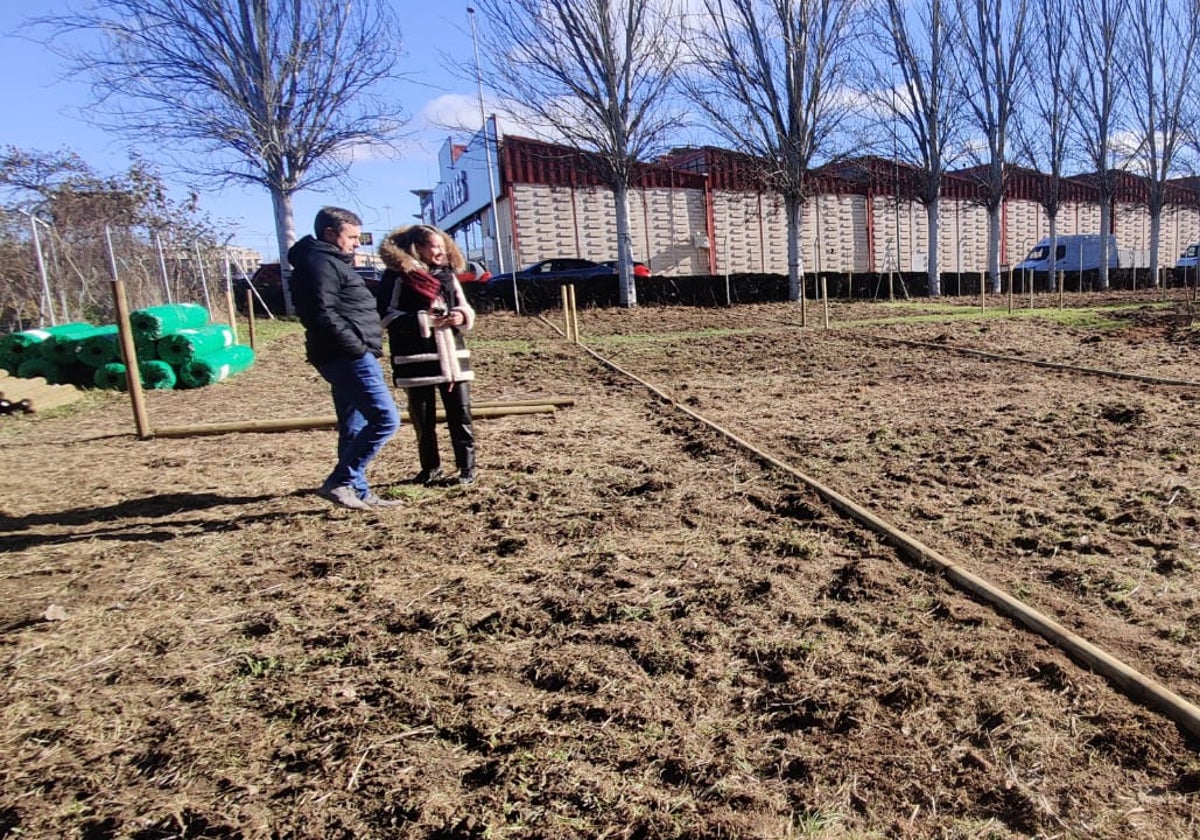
[[397, 257]]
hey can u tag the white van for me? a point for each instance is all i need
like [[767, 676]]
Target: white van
[[1077, 252], [1188, 258]]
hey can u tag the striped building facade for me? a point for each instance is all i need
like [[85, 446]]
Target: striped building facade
[[704, 211]]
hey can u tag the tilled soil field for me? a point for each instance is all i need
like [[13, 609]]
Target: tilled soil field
[[630, 627]]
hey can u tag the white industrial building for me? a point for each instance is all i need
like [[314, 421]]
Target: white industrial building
[[697, 211]]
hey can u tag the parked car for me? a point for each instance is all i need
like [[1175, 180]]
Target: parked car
[[544, 277], [639, 269], [1188, 258], [1075, 252], [564, 270], [475, 272]]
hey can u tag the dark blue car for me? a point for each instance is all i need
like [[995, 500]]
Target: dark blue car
[[546, 276]]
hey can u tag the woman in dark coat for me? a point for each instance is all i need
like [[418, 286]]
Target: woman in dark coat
[[425, 312]]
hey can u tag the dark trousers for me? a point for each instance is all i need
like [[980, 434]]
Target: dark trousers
[[422, 413]]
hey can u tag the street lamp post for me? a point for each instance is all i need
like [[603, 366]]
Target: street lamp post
[[487, 156]]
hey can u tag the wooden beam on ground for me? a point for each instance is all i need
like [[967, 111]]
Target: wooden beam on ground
[[478, 411]]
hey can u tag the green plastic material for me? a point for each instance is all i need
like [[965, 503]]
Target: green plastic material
[[183, 346], [54, 374], [63, 348], [216, 367], [23, 345], [157, 375], [110, 377], [101, 348], [154, 322]]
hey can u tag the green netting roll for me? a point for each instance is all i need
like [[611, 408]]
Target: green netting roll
[[62, 348], [100, 348], [146, 348], [216, 367], [157, 375], [181, 347], [54, 374], [24, 344], [110, 377], [154, 322]]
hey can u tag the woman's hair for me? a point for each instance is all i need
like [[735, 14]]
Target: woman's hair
[[413, 237], [408, 239]]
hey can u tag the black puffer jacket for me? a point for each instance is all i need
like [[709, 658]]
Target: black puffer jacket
[[334, 304]]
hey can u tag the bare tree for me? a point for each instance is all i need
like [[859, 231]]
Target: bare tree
[[988, 62], [269, 92], [594, 73], [919, 38], [1043, 124], [71, 208], [1163, 38], [1097, 91], [773, 77]]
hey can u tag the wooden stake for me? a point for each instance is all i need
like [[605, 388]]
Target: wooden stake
[[825, 299], [566, 309], [125, 332], [250, 314], [230, 308], [574, 314]]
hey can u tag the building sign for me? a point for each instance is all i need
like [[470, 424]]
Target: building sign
[[451, 194]]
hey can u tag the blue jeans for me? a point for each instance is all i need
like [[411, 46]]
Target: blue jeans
[[367, 417]]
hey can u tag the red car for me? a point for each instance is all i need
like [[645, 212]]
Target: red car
[[474, 273], [639, 269]]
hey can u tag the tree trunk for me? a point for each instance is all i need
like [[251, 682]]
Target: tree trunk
[[994, 247], [935, 277], [795, 216], [285, 236], [1052, 280], [1105, 227], [1155, 231], [626, 284]]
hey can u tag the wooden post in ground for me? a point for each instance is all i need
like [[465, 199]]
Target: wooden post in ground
[[566, 310], [574, 313], [1062, 282], [133, 374], [1010, 291], [230, 308], [825, 299], [250, 314]]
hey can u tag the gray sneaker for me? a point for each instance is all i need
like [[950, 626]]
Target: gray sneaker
[[342, 496], [375, 501]]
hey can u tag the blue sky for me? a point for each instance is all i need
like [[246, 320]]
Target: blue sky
[[43, 113]]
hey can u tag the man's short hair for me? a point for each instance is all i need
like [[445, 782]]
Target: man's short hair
[[336, 218]]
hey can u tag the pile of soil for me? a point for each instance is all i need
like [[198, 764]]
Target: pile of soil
[[630, 626]]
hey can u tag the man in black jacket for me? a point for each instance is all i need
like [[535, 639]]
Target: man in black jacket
[[344, 342]]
